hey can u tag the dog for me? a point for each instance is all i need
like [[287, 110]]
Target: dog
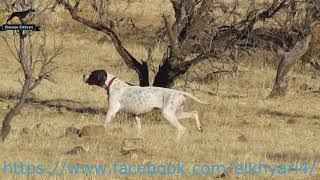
[[138, 100], [21, 15]]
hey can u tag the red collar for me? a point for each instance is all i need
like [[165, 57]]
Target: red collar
[[110, 82]]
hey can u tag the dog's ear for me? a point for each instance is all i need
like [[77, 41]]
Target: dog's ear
[[102, 76]]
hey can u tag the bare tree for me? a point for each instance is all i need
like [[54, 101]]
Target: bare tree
[[196, 34], [288, 60], [302, 15], [36, 61]]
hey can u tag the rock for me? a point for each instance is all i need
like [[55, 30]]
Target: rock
[[72, 131], [76, 151], [131, 145], [93, 131]]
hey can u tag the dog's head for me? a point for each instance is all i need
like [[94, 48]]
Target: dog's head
[[97, 77]]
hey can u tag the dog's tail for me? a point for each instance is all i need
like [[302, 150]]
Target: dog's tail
[[193, 97], [184, 93]]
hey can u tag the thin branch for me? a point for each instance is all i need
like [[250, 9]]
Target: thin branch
[[132, 62], [168, 25], [11, 50]]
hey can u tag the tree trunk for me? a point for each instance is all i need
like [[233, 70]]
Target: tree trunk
[[165, 76], [6, 124], [172, 68], [287, 62], [140, 68]]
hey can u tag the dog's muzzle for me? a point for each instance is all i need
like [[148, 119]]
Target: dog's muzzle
[[85, 78]]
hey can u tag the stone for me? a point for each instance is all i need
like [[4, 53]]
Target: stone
[[76, 150], [132, 145], [93, 131], [72, 131]]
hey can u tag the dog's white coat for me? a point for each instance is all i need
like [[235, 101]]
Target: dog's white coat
[[137, 100]]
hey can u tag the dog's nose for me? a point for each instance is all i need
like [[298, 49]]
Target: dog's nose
[[85, 78]]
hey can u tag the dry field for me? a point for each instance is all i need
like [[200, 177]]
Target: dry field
[[240, 124]]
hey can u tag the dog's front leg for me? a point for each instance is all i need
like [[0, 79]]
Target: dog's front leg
[[112, 111]]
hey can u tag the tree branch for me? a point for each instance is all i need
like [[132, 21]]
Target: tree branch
[[133, 63]]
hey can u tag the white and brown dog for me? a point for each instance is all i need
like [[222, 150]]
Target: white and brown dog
[[137, 100]]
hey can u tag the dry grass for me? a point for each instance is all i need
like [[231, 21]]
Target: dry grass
[[240, 124]]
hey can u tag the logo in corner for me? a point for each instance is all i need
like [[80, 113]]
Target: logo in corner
[[20, 21]]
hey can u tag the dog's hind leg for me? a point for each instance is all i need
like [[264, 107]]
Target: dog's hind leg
[[193, 114], [181, 114], [169, 115], [169, 112]]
